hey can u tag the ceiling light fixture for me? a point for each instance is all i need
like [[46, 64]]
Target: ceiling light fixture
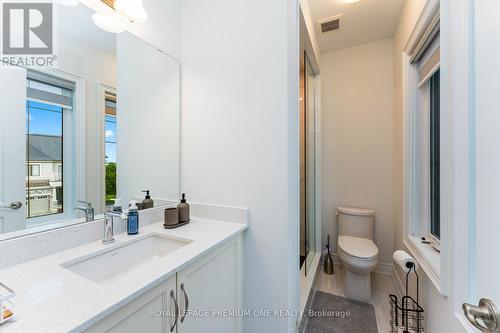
[[351, 1], [131, 9], [107, 22]]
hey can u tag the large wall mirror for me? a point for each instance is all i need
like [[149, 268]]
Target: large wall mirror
[[100, 125]]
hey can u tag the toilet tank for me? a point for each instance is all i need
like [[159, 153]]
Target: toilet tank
[[356, 222]]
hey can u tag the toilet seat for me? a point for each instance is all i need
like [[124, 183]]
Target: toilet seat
[[358, 248]]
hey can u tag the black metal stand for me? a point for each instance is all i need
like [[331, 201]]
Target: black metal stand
[[409, 315]]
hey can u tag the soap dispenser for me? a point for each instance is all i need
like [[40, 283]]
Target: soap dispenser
[[147, 202], [183, 208], [132, 219]]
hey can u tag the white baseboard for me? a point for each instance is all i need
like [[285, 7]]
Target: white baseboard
[[400, 289], [384, 268]]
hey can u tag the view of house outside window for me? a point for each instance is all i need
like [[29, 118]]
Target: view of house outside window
[[44, 178]]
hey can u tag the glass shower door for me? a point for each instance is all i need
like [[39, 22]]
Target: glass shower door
[[310, 164]]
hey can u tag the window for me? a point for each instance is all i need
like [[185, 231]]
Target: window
[[110, 147], [48, 101], [34, 170], [423, 148], [435, 143]]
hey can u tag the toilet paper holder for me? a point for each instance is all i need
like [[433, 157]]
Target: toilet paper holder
[[407, 315]]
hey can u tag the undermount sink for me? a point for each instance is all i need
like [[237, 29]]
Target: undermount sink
[[107, 265]]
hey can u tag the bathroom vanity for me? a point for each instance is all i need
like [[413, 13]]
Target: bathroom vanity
[[140, 283]]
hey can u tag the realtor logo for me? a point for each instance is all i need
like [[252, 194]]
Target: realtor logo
[[27, 28]]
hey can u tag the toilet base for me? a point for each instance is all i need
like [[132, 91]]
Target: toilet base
[[357, 286]]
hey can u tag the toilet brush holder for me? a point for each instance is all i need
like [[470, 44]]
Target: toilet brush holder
[[328, 260]]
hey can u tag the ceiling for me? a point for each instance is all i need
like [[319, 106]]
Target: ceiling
[[362, 22]]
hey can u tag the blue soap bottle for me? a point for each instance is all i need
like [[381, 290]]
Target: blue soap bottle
[[133, 219]]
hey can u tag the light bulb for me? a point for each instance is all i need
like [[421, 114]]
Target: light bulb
[[107, 23], [131, 9]]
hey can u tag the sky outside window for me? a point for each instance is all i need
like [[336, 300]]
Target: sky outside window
[[110, 133]]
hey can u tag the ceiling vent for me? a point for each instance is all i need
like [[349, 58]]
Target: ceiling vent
[[330, 23]]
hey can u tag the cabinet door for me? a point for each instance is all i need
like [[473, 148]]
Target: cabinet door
[[209, 287], [152, 312], [142, 320]]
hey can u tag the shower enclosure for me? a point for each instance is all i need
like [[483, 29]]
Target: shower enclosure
[[307, 164]]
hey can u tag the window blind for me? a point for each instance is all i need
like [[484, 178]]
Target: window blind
[[110, 104], [48, 89], [429, 62], [425, 40]]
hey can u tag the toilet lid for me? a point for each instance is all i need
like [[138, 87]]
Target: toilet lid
[[358, 247]]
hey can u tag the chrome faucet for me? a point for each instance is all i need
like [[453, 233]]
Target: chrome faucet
[[86, 207], [109, 219]]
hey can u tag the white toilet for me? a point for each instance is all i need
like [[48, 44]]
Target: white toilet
[[357, 251]]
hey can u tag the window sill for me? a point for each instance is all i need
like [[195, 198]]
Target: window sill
[[428, 259]]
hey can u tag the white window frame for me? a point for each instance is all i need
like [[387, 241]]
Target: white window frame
[[416, 180], [456, 276], [73, 152], [425, 230]]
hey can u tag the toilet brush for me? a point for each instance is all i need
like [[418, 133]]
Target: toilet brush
[[328, 260]]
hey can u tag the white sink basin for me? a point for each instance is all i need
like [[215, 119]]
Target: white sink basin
[[109, 264]]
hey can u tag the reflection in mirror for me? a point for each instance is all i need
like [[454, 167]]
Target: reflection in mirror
[[101, 125]]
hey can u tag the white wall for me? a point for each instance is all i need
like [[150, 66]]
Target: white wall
[[240, 136], [96, 65], [148, 99], [409, 16], [306, 12], [357, 142]]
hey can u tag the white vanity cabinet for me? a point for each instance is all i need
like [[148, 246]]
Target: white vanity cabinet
[[148, 313], [207, 294], [210, 292]]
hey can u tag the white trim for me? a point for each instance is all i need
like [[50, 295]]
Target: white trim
[[384, 268], [49, 103], [398, 284], [80, 140], [428, 265], [307, 281], [408, 138], [75, 168], [412, 212], [458, 30], [318, 159]]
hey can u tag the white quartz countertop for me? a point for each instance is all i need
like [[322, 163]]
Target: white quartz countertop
[[50, 298]]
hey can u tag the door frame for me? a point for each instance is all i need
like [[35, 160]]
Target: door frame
[[457, 20]]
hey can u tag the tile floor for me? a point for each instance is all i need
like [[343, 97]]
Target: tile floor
[[382, 287]]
